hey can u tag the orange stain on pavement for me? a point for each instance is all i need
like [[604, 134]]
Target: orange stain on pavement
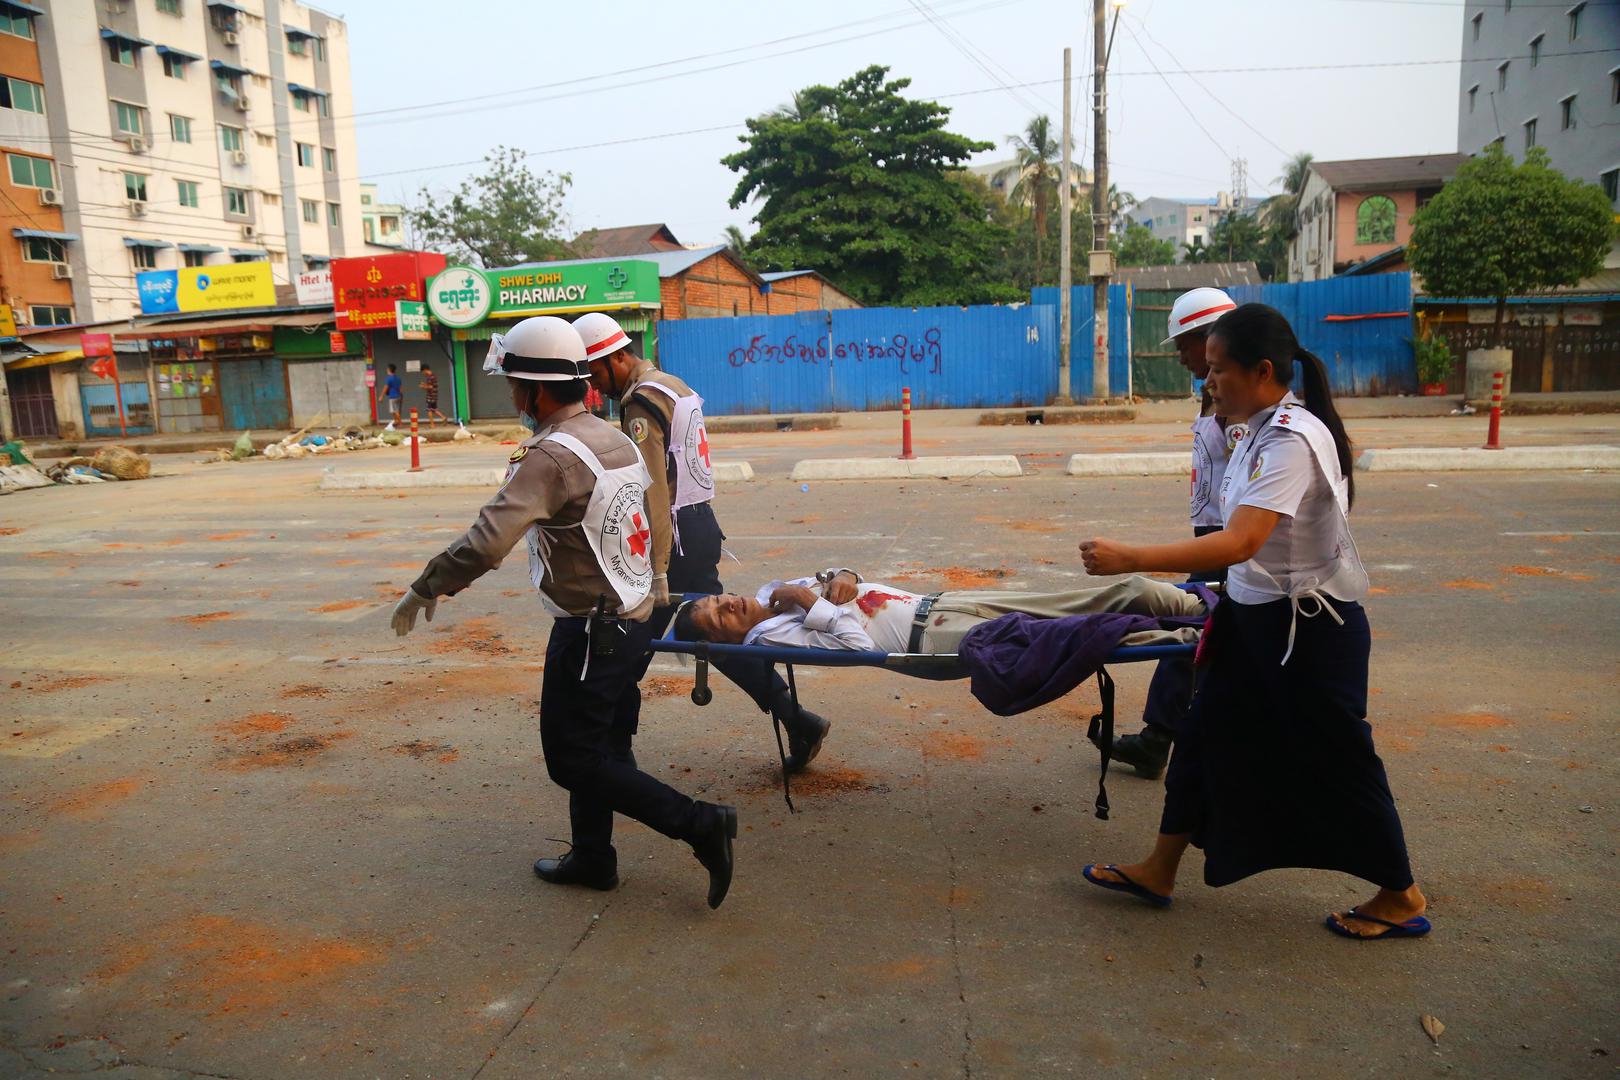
[[205, 618], [93, 800], [1468, 583]]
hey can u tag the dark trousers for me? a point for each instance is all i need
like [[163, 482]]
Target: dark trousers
[[1170, 693], [586, 735], [694, 567]]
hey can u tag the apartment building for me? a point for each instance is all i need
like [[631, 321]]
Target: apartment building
[[382, 224], [157, 134], [1184, 222]]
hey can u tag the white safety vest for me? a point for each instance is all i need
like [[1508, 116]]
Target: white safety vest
[[1336, 572], [1209, 466], [616, 529], [688, 445]]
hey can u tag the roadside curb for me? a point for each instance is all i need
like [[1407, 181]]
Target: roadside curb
[[1159, 464], [725, 472], [1058, 414], [924, 468], [1512, 459], [771, 424]]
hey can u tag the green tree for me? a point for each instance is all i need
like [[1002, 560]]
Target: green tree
[[855, 185], [505, 216], [735, 240], [1242, 238], [1280, 213], [1119, 203], [1138, 247], [1503, 229], [1195, 252]]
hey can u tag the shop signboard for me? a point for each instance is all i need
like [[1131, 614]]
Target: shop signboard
[[96, 344], [314, 286], [8, 322], [462, 296], [336, 342], [411, 320], [365, 290], [206, 288]]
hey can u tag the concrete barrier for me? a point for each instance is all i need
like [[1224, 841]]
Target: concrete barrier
[[725, 472], [1161, 464], [923, 468], [1512, 459]]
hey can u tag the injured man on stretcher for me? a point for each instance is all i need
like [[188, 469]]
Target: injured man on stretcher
[[837, 609]]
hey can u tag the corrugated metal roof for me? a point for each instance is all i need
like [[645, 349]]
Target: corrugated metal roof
[[669, 263], [225, 323], [622, 240], [1188, 275], [778, 275], [1362, 174]]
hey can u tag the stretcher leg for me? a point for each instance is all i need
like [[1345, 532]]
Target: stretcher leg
[[776, 726]]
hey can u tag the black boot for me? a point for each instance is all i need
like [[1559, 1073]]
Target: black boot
[[717, 827], [805, 731], [571, 869], [1146, 751]]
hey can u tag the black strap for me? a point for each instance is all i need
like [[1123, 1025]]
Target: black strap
[[776, 725], [919, 622], [1101, 732], [544, 365]]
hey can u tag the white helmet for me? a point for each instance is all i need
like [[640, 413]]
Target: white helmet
[[601, 333], [1197, 308], [544, 348]]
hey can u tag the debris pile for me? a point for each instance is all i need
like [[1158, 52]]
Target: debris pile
[[19, 473]]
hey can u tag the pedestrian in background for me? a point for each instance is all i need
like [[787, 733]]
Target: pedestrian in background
[[392, 391], [430, 392]]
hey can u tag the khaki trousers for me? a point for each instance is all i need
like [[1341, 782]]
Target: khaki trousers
[[955, 613]]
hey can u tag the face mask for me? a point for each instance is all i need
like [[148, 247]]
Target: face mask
[[529, 422]]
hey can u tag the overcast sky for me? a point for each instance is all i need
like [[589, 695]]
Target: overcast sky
[[631, 70]]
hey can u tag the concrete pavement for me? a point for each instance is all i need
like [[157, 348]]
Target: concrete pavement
[[246, 832]]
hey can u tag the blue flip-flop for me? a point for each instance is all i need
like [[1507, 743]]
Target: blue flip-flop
[[1413, 927], [1126, 885]]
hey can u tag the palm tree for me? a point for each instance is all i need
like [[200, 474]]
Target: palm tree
[[1293, 175], [1279, 211], [1118, 203], [735, 240], [1038, 160], [800, 107]]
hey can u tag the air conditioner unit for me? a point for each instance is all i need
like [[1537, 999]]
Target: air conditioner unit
[[61, 271], [50, 197], [248, 232], [242, 104], [137, 207], [137, 144], [231, 37], [239, 157]]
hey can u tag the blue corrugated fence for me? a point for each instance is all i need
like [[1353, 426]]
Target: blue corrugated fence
[[988, 357]]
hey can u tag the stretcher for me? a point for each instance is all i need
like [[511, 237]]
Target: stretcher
[[942, 667]]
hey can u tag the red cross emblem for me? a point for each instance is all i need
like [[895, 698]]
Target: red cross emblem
[[703, 446], [639, 538], [1283, 419]]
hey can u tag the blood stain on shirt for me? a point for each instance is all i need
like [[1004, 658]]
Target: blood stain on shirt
[[873, 602]]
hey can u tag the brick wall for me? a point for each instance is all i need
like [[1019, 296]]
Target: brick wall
[[719, 288]]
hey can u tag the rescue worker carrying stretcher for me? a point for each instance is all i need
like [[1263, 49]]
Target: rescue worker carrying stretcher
[[664, 418], [576, 491]]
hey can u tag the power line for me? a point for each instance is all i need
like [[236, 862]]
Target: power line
[[1179, 100], [974, 54]]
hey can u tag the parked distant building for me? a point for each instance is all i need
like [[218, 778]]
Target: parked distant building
[[1560, 89], [1183, 222], [623, 240], [1353, 211], [171, 133], [382, 224], [1003, 177]]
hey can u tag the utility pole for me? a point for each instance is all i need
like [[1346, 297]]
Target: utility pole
[[1101, 257], [1065, 250]]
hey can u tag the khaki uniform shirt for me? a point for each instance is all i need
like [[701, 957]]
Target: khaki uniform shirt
[[647, 432], [550, 486]]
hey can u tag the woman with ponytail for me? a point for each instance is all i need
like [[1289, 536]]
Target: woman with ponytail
[[1276, 767]]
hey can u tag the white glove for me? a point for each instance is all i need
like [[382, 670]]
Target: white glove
[[660, 590], [405, 611]]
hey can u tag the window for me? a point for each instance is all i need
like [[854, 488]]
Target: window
[[195, 258], [236, 201], [266, 139], [297, 45], [135, 186], [145, 257], [43, 249], [306, 155], [368, 228], [1614, 87], [246, 256], [1473, 92], [1375, 220], [188, 193], [1507, 6], [121, 51], [312, 211], [30, 171], [230, 138], [16, 23], [1611, 184], [389, 224], [1529, 133], [131, 118], [365, 200], [269, 198], [22, 96], [1535, 50], [1566, 113], [332, 217], [323, 106], [329, 159], [301, 102], [1501, 75], [169, 7], [320, 49], [1477, 20], [50, 315], [1575, 21], [173, 66], [180, 128]]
